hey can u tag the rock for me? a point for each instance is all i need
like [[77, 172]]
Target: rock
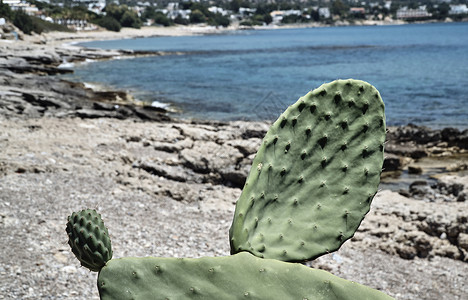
[[176, 173], [392, 162], [414, 134], [151, 113], [197, 133], [234, 177], [415, 170], [463, 240], [413, 151], [104, 106], [449, 134], [421, 190], [456, 167], [207, 157], [246, 146], [462, 197], [167, 147], [453, 185], [94, 114]]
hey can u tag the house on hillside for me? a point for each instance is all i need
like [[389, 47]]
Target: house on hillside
[[410, 13], [324, 13], [28, 8], [458, 9]]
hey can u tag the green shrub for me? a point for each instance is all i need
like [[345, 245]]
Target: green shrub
[[180, 20], [162, 19], [219, 20], [44, 26], [197, 17], [130, 19], [5, 11], [109, 23], [23, 22]]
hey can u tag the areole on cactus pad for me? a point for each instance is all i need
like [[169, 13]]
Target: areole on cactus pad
[[311, 184]]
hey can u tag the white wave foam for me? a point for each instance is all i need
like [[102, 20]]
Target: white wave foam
[[159, 104]]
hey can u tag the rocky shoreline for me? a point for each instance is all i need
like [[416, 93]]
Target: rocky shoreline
[[167, 187]]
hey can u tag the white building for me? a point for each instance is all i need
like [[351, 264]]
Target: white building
[[458, 9], [388, 4], [409, 13], [22, 5], [97, 6], [324, 12], [217, 10]]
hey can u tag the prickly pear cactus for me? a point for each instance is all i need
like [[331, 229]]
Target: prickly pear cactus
[[241, 276], [89, 239], [314, 176], [310, 186]]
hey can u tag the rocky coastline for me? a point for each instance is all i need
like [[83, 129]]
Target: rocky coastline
[[167, 187]]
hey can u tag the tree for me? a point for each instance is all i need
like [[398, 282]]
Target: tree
[[109, 23], [219, 20], [23, 22], [443, 11], [122, 14], [197, 17], [180, 20], [5, 11], [115, 11], [339, 8], [162, 19], [148, 13], [234, 5], [130, 19], [314, 15]]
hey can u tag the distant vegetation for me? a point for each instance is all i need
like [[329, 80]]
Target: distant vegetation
[[133, 13], [29, 24]]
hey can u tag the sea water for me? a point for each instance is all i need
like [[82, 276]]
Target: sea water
[[421, 70]]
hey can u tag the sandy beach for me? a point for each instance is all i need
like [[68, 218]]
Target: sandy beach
[[167, 187]]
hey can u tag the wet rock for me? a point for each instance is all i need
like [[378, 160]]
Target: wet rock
[[415, 170], [392, 162], [414, 134], [456, 167], [413, 151], [451, 184], [421, 190], [151, 113]]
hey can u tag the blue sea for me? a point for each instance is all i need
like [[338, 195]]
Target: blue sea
[[421, 70]]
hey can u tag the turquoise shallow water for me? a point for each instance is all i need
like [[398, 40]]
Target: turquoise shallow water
[[420, 70]]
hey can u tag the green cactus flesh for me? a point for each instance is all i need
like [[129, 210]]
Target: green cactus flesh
[[314, 176], [241, 276], [89, 239]]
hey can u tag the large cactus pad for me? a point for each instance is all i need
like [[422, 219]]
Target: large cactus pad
[[241, 276], [89, 239], [314, 176]]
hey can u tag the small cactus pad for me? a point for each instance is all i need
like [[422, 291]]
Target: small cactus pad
[[242, 276], [89, 239], [314, 176]]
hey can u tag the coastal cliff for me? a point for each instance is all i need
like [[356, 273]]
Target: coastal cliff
[[167, 187]]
